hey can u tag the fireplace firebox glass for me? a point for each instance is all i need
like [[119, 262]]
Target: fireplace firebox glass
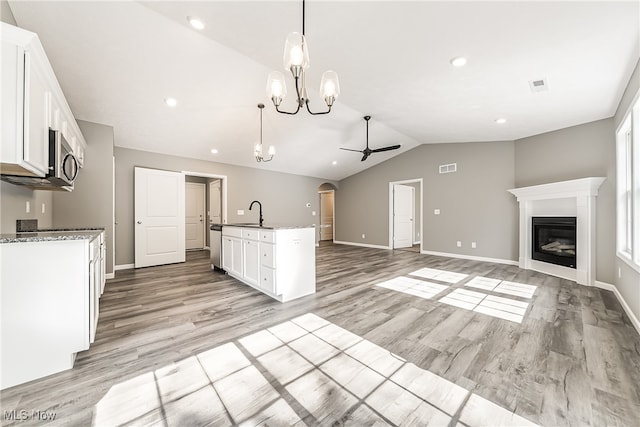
[[554, 240]]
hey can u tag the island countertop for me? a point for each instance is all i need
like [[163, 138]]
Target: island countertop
[[50, 236], [267, 226]]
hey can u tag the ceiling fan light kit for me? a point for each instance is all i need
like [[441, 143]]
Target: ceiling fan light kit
[[296, 61], [368, 151], [257, 151]]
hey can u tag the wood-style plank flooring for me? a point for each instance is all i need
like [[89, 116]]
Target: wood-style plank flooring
[[168, 335]]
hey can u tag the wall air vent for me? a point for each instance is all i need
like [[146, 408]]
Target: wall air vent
[[538, 85], [451, 167]]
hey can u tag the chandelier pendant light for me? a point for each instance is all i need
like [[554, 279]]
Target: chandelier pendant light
[[296, 60], [258, 148]]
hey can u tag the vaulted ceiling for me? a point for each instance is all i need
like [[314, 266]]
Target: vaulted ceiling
[[118, 61]]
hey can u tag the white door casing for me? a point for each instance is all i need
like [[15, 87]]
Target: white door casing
[[215, 202], [194, 215], [326, 215], [402, 216], [159, 217]]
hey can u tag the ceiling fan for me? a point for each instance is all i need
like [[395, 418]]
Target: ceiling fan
[[368, 151]]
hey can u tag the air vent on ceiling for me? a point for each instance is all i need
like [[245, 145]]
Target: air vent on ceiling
[[452, 167], [538, 85]]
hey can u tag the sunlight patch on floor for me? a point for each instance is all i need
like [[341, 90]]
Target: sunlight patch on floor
[[440, 275], [331, 376], [415, 287]]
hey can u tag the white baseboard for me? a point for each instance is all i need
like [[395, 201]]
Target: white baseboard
[[110, 276], [123, 267], [364, 245], [472, 257], [623, 303]]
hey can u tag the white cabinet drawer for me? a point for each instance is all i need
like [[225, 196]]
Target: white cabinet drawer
[[268, 280], [232, 231], [268, 255], [268, 236], [250, 234]]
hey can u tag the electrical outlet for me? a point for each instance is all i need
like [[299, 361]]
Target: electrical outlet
[[459, 244], [27, 208], [313, 213], [436, 211], [363, 236], [240, 212], [473, 245]]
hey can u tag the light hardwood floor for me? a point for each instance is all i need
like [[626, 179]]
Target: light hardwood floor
[[181, 345]]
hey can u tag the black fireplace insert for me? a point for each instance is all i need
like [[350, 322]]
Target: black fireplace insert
[[554, 240]]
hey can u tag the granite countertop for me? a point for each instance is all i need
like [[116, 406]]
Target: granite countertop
[[267, 226], [51, 235]]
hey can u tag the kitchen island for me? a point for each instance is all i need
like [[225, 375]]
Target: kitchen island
[[51, 282], [277, 260]]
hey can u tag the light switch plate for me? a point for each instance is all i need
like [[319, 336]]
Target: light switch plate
[[436, 211], [240, 212], [459, 244], [27, 208]]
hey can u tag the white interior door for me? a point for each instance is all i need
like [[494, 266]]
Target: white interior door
[[402, 216], [194, 215], [326, 215], [215, 202], [159, 215]]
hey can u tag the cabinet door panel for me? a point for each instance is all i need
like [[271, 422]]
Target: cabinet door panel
[[251, 265], [37, 106], [267, 280], [236, 258], [227, 253]]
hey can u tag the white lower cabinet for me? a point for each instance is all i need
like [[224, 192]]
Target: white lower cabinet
[[49, 306], [251, 261], [232, 252], [279, 262]]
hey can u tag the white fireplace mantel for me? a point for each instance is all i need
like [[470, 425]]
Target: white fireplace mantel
[[567, 198]]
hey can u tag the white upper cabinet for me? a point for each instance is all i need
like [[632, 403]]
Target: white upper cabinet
[[32, 102]]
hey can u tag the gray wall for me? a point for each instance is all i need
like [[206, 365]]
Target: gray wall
[[474, 202], [90, 204], [576, 152], [283, 196], [626, 279], [14, 199], [6, 15]]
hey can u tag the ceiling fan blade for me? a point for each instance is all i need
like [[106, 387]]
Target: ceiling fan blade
[[389, 148], [365, 157], [349, 149]]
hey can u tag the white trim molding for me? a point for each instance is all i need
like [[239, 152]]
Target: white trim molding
[[471, 257], [364, 245], [110, 276], [621, 300], [123, 267], [577, 198]]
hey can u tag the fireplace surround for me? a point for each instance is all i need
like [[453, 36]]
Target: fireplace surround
[[575, 198]]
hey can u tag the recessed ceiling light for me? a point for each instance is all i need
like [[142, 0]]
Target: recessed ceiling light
[[196, 23], [458, 61], [171, 102], [214, 151], [501, 121], [335, 162]]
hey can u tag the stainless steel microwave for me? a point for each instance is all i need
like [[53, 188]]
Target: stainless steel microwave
[[63, 165]]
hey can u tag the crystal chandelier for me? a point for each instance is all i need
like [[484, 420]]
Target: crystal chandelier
[[296, 60], [257, 151]]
